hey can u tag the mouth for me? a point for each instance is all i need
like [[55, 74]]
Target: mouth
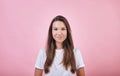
[[59, 37]]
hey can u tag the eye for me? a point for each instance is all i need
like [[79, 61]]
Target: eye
[[63, 29], [55, 29]]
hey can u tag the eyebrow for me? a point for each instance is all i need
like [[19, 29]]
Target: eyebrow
[[58, 27]]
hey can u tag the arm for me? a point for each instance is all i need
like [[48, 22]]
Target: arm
[[38, 72], [80, 72]]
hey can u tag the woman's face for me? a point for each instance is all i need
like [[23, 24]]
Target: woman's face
[[59, 31]]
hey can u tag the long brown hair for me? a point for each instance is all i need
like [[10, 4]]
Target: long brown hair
[[68, 46]]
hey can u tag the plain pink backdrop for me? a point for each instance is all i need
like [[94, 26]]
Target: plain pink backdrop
[[95, 28]]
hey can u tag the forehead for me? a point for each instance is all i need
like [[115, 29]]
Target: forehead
[[58, 24]]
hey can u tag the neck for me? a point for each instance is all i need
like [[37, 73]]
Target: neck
[[59, 45]]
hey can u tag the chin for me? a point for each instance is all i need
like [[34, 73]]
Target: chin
[[59, 41]]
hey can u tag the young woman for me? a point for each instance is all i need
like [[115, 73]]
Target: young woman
[[59, 58]]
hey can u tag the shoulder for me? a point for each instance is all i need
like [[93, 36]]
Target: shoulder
[[40, 59], [79, 59], [42, 51], [76, 50]]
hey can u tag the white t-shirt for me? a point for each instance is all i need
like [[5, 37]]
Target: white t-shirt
[[57, 69]]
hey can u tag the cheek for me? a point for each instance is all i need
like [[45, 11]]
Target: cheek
[[53, 33], [65, 34]]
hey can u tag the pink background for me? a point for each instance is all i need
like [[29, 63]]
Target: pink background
[[95, 27]]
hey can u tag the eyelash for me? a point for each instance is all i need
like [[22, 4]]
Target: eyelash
[[57, 29]]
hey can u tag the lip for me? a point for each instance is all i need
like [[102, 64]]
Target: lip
[[59, 37]]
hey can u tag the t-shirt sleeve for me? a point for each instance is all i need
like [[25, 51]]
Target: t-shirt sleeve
[[79, 59], [40, 59]]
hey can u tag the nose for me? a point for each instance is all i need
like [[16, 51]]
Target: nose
[[59, 32]]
